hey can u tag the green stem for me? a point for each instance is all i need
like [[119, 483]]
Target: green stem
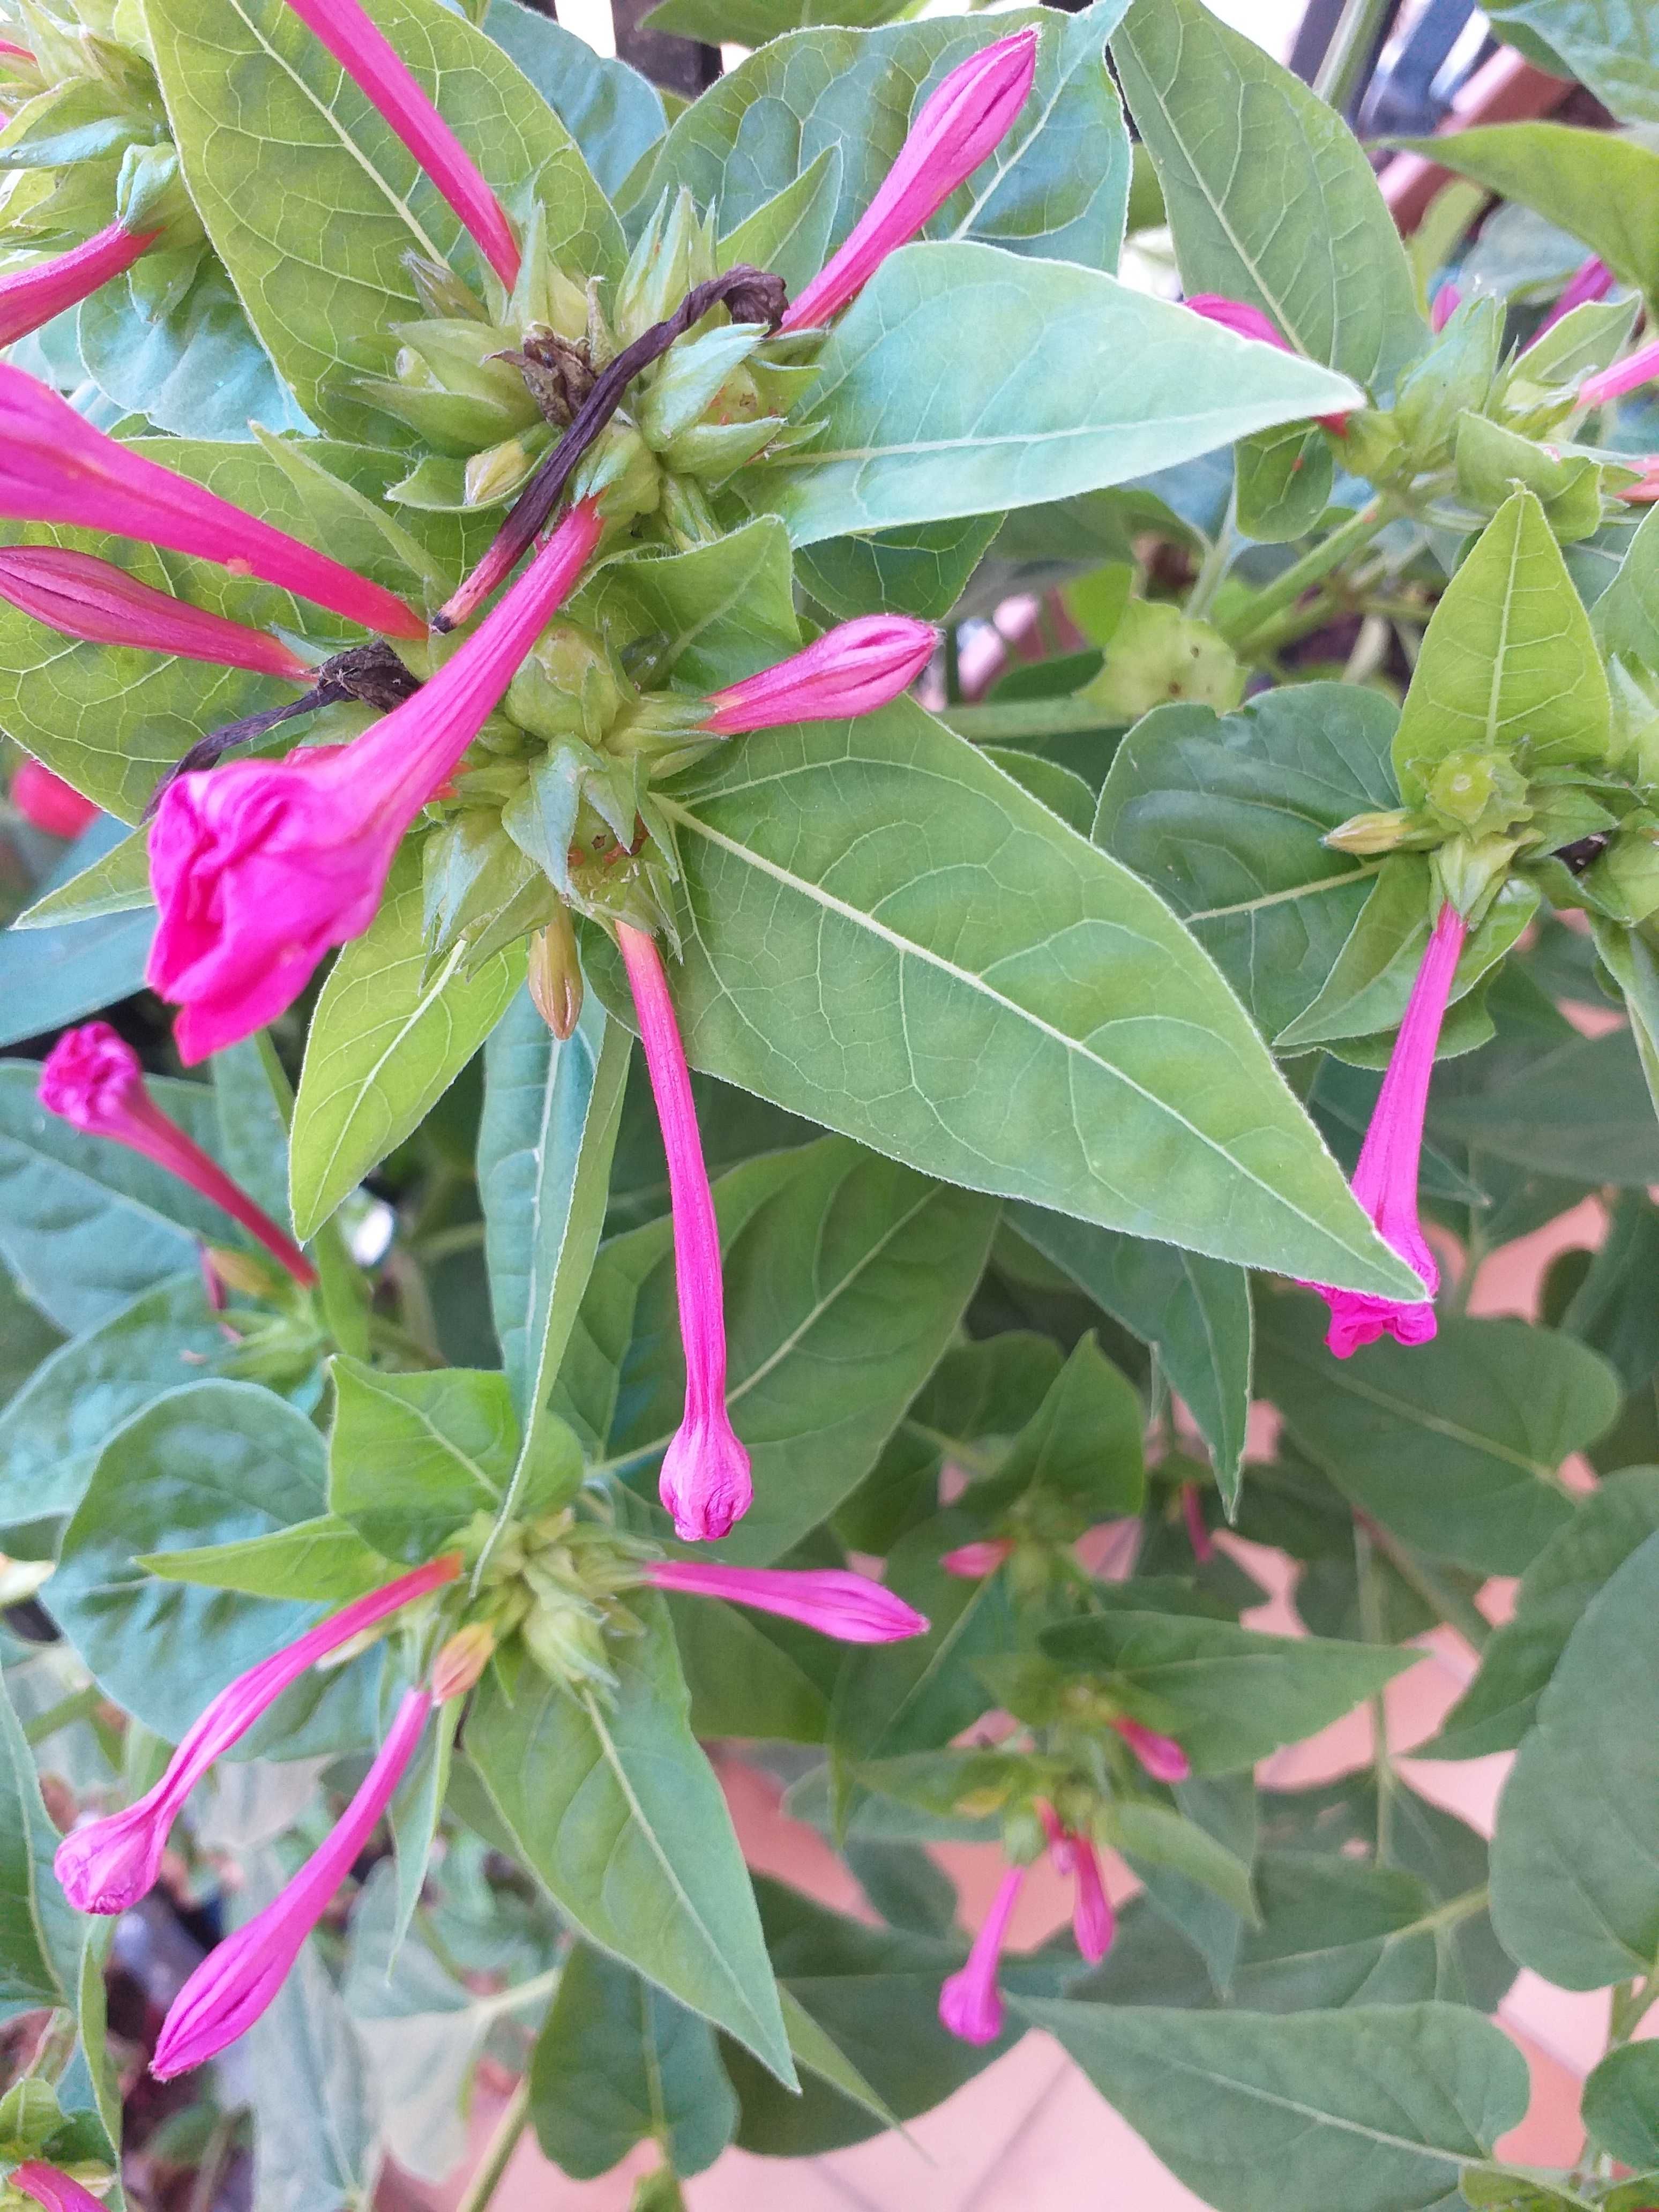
[[79, 1705], [1370, 1628], [1457, 1611], [1006, 721], [1456, 1910], [1312, 568], [1350, 52], [515, 2113], [1216, 563]]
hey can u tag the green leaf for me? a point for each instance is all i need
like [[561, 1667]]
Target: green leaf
[[619, 2062], [1607, 44], [323, 1561], [1335, 1933], [1582, 1111], [57, 977], [1615, 1309], [116, 882], [835, 1261], [413, 1457], [1195, 1312], [1082, 1445], [197, 370], [614, 114], [1509, 662], [1501, 1703], [715, 613], [752, 22], [1377, 2108], [1454, 1445], [1602, 186], [746, 1678], [1056, 187], [1225, 816], [1621, 2104], [389, 1037], [1270, 200], [923, 570], [789, 233], [1285, 479], [1575, 1888], [1626, 617], [1229, 1695], [366, 203], [27, 1338], [933, 1016], [1056, 787], [617, 1812], [215, 1462], [1092, 383], [1156, 1839], [38, 1932]]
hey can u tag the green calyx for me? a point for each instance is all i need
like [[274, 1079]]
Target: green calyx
[[559, 1585]]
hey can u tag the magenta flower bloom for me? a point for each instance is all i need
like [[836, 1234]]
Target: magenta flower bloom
[[55, 2191], [236, 1981], [970, 2004], [56, 468], [851, 670], [1248, 322], [1160, 1756], [379, 72], [973, 1562], [109, 1864], [961, 122], [705, 1471], [48, 803], [259, 866], [85, 598], [33, 295], [1638, 368], [1592, 280], [1385, 1181], [850, 1607], [93, 1080]]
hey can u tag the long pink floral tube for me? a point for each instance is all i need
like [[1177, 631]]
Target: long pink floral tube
[[970, 2004], [83, 597], [32, 296], [850, 1607]]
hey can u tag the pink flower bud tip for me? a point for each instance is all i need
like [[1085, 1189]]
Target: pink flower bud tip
[[53, 2190], [970, 2004], [1248, 322], [92, 1079], [850, 1607], [973, 1562], [1635, 370], [851, 670], [85, 598], [47, 803], [1160, 1756], [961, 124], [1592, 280]]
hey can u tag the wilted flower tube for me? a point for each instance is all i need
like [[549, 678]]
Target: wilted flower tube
[[83, 596], [850, 1607], [92, 1078], [852, 669], [961, 122], [32, 296]]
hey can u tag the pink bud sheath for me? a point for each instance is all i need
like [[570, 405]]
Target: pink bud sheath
[[850, 1607], [1160, 1756], [970, 2004], [92, 1078], [379, 72], [107, 1865], [83, 596], [237, 1980], [259, 866], [851, 670], [1385, 1181], [961, 122], [33, 296], [705, 1481], [47, 803], [56, 468], [973, 1562]]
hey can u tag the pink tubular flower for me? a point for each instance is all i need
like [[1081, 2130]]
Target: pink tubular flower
[[55, 2191], [237, 1981], [705, 1471], [85, 598], [1385, 1181], [47, 802], [1198, 1533], [1160, 1756], [1245, 321], [32, 296], [1593, 280], [93, 1080], [961, 122], [851, 670], [850, 1607], [109, 1864], [259, 866], [1638, 368], [971, 2004], [1094, 1923], [973, 1562], [1445, 304], [379, 72], [56, 468]]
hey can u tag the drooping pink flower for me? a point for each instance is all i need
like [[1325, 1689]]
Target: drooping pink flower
[[1385, 1181], [973, 1562], [970, 2004], [850, 1607], [1248, 322], [56, 468], [239, 1978], [1198, 1533], [961, 122], [1592, 280], [49, 802], [1636, 369], [705, 1481], [852, 669], [379, 72], [83, 596], [1160, 1756], [1094, 1923], [107, 1865], [32, 296], [52, 2190], [1445, 304], [92, 1079], [259, 866]]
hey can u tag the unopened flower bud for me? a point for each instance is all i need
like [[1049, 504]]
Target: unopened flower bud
[[497, 472], [567, 687], [1479, 794], [462, 1660], [1379, 831], [240, 1271], [621, 473], [1024, 1836], [555, 976]]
